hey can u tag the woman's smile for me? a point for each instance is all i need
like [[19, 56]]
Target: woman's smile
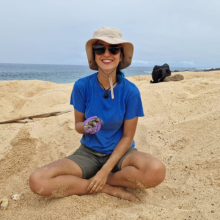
[[105, 61]]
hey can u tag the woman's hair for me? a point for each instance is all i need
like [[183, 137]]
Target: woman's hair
[[119, 74]]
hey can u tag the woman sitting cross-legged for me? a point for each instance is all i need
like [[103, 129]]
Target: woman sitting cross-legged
[[107, 107]]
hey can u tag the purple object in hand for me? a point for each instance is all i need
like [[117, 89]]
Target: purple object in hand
[[95, 128]]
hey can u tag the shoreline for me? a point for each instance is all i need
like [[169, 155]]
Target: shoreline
[[202, 70], [65, 74]]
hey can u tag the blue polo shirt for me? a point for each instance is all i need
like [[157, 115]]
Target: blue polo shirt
[[87, 97]]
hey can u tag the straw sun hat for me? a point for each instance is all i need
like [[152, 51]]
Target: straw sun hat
[[109, 35]]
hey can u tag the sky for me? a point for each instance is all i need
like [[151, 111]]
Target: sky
[[182, 33]]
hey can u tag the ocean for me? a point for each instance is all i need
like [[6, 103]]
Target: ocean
[[63, 74]]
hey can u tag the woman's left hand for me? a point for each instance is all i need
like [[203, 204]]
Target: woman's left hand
[[98, 182]]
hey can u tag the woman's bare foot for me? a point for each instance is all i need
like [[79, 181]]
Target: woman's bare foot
[[119, 192]]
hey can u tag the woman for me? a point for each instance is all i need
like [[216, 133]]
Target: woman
[[107, 107]]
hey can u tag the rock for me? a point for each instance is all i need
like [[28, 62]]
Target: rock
[[16, 197], [4, 203]]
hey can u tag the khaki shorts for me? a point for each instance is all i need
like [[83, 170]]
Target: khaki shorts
[[91, 161]]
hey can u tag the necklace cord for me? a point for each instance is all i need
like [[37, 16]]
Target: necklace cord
[[110, 81], [103, 86], [111, 87]]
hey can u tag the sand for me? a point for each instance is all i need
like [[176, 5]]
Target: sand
[[181, 127]]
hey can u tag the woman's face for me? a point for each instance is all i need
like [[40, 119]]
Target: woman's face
[[107, 61]]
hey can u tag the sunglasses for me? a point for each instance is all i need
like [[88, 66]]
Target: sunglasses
[[100, 49]]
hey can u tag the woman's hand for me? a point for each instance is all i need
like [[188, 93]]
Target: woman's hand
[[92, 125], [98, 182]]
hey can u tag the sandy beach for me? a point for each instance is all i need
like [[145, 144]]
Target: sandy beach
[[181, 127]]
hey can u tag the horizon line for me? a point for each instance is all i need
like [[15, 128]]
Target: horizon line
[[88, 65]]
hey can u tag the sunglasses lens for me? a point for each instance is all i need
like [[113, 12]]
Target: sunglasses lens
[[99, 49], [114, 49]]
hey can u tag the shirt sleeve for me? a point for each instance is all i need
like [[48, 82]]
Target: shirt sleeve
[[78, 97], [134, 107]]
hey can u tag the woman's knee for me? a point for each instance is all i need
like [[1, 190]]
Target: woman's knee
[[154, 173], [159, 170], [38, 185]]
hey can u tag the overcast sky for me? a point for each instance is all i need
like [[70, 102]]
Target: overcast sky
[[182, 33]]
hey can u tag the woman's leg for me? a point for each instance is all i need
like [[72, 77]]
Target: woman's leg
[[59, 178], [138, 170], [64, 177]]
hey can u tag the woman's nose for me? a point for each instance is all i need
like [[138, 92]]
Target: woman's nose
[[106, 51]]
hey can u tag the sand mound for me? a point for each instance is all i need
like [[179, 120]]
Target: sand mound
[[181, 127]]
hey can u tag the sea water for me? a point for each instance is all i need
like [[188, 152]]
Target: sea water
[[62, 74]]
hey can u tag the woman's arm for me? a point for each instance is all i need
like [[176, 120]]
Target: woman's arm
[[79, 119], [122, 147]]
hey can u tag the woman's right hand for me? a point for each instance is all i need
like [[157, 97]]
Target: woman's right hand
[[98, 182], [92, 125]]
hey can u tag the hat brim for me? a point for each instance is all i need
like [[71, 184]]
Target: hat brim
[[128, 49]]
